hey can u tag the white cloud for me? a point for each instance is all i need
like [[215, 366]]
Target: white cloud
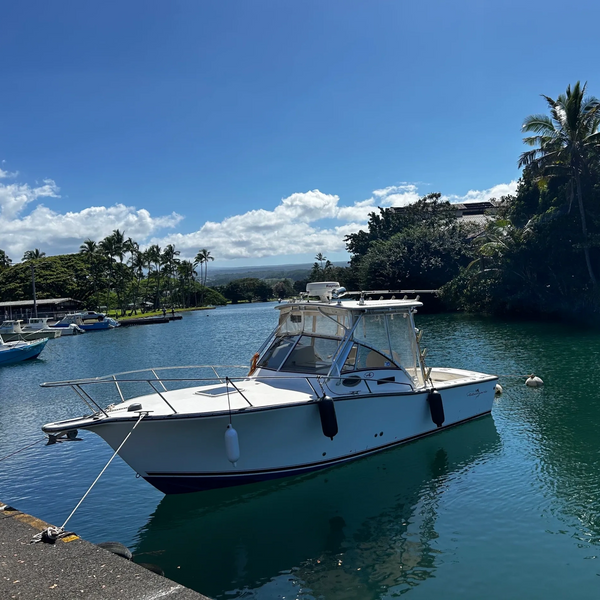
[[55, 232], [288, 229], [7, 174], [15, 197], [301, 224], [503, 189]]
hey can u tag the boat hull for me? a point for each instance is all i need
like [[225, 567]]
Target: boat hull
[[21, 353], [186, 453], [30, 335], [100, 325]]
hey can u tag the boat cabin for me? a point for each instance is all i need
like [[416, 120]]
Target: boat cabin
[[11, 326], [359, 338], [36, 323], [70, 319]]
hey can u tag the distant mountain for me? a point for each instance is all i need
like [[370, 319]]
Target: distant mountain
[[295, 272]]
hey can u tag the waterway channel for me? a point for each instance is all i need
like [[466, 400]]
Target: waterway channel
[[506, 506]]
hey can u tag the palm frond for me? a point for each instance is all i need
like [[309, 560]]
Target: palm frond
[[538, 124]]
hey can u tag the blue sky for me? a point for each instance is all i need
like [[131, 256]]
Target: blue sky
[[266, 130]]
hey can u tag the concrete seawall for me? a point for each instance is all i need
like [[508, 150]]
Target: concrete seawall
[[72, 568]]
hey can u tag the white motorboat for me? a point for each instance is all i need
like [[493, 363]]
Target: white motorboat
[[39, 325], [335, 381], [12, 330]]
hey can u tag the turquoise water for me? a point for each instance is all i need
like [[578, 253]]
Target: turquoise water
[[507, 506]]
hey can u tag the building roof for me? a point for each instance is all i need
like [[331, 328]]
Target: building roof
[[41, 302]]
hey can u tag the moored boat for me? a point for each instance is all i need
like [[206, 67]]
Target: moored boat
[[18, 351], [87, 321], [12, 330], [335, 381], [40, 325]]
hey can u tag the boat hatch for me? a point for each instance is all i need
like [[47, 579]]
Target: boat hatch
[[219, 391]]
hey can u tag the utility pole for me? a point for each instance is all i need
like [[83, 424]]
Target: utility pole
[[33, 286]]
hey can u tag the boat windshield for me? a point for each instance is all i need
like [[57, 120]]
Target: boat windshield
[[301, 354], [308, 340]]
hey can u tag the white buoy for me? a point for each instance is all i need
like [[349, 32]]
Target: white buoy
[[498, 390], [533, 381], [232, 445]]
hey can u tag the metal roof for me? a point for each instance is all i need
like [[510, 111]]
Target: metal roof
[[40, 302]]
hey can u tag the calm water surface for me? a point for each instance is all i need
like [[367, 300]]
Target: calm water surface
[[507, 506]]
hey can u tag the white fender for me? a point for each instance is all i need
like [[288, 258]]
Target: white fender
[[232, 445]]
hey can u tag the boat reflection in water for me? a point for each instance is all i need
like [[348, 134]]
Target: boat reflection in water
[[361, 530]]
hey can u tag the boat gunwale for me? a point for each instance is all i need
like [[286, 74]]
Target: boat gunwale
[[130, 416]]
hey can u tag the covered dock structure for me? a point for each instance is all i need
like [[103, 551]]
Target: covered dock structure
[[54, 308]]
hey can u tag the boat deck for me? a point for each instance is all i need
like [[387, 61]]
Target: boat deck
[[252, 393]]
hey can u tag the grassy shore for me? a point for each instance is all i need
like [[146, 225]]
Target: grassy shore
[[156, 313]]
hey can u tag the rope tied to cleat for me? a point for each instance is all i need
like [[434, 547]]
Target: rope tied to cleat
[[51, 534]]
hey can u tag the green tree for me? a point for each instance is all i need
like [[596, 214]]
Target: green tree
[[111, 247], [89, 249], [169, 262], [202, 258], [565, 144], [5, 261], [32, 257], [186, 274], [153, 257], [420, 246], [283, 289], [247, 289]]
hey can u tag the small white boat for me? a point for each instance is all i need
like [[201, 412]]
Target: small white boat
[[12, 330], [40, 325], [334, 382], [14, 352]]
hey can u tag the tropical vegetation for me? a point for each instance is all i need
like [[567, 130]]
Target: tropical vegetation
[[111, 274]]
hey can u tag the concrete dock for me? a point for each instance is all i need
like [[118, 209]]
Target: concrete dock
[[72, 568]]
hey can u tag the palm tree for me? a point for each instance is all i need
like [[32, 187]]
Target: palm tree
[[119, 244], [169, 262], [138, 263], [565, 141], [5, 261], [186, 274], [319, 257], [153, 257], [202, 258], [32, 256], [109, 250], [89, 249]]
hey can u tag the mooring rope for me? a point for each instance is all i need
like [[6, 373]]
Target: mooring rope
[[142, 415], [24, 448], [53, 533]]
